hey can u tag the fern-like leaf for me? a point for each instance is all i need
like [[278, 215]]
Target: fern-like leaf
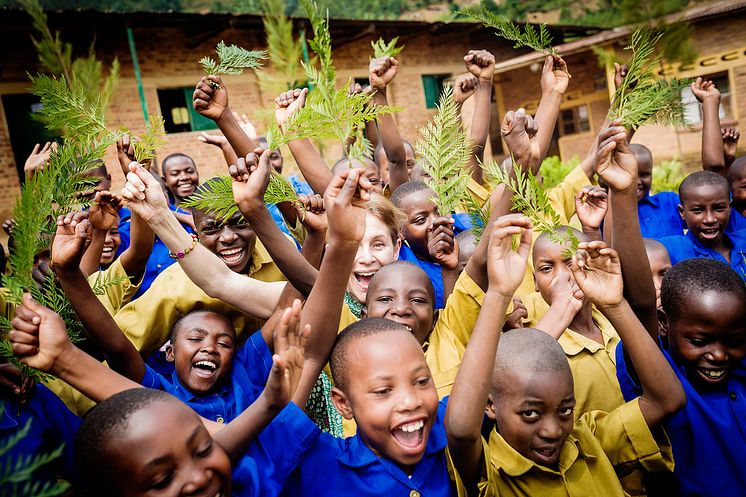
[[445, 151], [215, 197], [153, 138], [232, 60], [538, 40], [279, 190], [479, 216], [382, 49]]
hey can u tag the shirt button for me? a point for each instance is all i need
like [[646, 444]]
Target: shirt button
[[158, 266], [414, 493], [733, 396], [220, 420]]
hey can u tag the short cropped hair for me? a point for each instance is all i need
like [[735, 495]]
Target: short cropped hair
[[366, 327], [702, 178], [565, 229], [405, 190], [738, 166], [393, 266], [526, 350], [179, 322], [692, 277], [639, 149], [653, 244], [177, 155], [102, 425]]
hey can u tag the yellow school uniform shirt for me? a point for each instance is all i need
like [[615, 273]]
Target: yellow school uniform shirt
[[7, 308], [118, 295], [593, 364], [147, 321], [599, 444]]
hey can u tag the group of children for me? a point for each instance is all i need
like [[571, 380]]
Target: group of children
[[360, 342]]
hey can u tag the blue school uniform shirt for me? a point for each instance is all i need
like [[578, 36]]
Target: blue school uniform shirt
[[53, 426], [158, 260], [251, 365], [432, 269], [708, 434], [736, 222], [659, 215], [688, 247], [335, 466]]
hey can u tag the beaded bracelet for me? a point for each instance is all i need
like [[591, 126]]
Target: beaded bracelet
[[182, 254]]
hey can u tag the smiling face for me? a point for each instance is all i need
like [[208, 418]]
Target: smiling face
[[166, 451], [708, 337], [391, 395], [659, 264], [706, 209], [377, 248], [421, 211], [180, 175], [202, 351], [232, 241], [403, 293], [111, 245]]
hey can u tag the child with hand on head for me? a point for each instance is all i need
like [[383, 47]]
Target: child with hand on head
[[703, 338], [538, 446], [140, 441]]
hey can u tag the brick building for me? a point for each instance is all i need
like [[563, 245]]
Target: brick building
[[168, 46]]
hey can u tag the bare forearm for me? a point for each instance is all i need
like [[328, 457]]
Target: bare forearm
[[135, 258], [91, 260], [311, 165], [546, 118], [240, 142], [449, 281], [237, 435], [556, 320], [480, 127], [476, 267], [712, 139], [392, 142]]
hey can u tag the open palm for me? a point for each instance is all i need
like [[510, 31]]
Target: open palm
[[598, 273]]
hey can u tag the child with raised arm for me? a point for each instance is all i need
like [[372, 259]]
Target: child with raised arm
[[140, 441], [538, 447]]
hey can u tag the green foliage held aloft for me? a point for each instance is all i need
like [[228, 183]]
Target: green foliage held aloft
[[153, 138], [16, 475], [382, 49], [538, 40], [642, 97], [445, 151], [279, 190], [232, 60], [530, 198]]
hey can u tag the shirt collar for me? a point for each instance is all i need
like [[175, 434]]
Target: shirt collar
[[259, 257], [510, 461], [701, 249], [183, 394], [574, 343]]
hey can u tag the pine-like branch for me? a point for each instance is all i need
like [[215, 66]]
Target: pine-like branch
[[232, 60], [479, 216], [382, 49], [279, 190], [214, 197], [153, 138], [538, 40], [445, 151]]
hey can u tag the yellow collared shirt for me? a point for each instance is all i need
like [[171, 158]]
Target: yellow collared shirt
[[115, 296]]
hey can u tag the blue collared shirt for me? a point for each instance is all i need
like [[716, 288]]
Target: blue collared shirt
[[250, 370], [52, 426], [334, 466], [736, 222], [708, 435], [158, 260], [433, 270], [688, 247], [659, 215]]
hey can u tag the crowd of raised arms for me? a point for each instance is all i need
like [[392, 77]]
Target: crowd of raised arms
[[360, 342]]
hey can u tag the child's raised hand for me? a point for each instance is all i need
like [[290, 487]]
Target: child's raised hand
[[705, 90], [126, 154], [217, 140], [730, 141], [288, 103], [442, 245], [554, 76], [69, 241], [464, 87], [565, 293], [506, 266], [143, 193], [615, 162], [311, 212], [345, 200], [382, 71], [250, 178], [39, 157], [287, 361], [481, 64], [246, 125], [515, 319], [591, 204], [39, 336], [104, 210], [598, 273], [620, 71], [209, 101], [519, 131]]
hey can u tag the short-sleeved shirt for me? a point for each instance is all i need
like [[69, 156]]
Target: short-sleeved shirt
[[250, 370], [659, 215], [599, 444], [736, 222], [336, 466], [593, 364], [147, 321], [115, 296], [708, 434], [52, 426], [688, 247]]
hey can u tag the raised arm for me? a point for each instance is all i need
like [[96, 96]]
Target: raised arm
[[67, 249], [712, 138], [212, 103], [481, 64], [250, 179], [471, 388], [617, 166], [554, 82], [598, 273], [591, 204], [102, 216], [145, 197], [345, 202]]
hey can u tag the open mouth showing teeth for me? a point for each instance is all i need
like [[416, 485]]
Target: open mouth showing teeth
[[107, 250], [364, 278], [548, 455], [410, 435], [205, 368], [232, 256], [712, 374]]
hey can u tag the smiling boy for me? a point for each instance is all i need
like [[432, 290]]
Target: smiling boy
[[181, 176]]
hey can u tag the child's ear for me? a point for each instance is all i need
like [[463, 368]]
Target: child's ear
[[340, 401], [663, 326], [536, 285], [364, 312], [170, 353], [397, 248], [680, 208], [489, 410]]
